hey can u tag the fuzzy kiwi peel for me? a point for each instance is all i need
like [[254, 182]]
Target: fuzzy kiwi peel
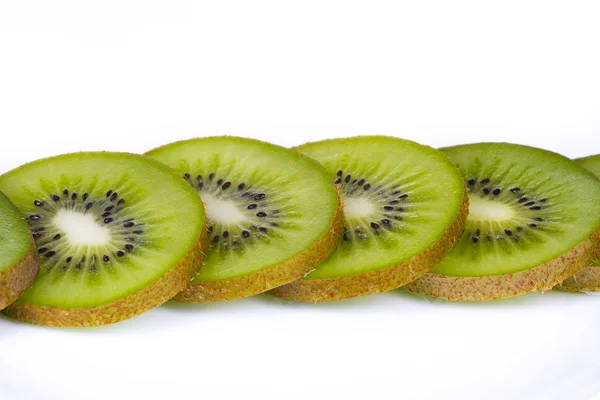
[[397, 225], [528, 232], [142, 241]]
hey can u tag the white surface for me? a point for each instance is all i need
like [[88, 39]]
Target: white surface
[[120, 75]]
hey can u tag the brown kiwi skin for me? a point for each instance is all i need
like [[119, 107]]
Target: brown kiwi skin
[[271, 277], [15, 280], [587, 280], [159, 292], [541, 278], [382, 280]]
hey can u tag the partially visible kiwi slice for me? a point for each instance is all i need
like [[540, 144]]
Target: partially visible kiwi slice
[[273, 214], [534, 221], [405, 206], [587, 280], [18, 261], [117, 234]]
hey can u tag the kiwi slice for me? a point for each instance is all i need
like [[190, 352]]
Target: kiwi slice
[[533, 220], [587, 280], [18, 261], [405, 205], [116, 234], [273, 214]]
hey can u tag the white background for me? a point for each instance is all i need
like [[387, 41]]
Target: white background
[[128, 76]]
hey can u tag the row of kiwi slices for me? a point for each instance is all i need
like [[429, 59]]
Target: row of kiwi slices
[[95, 238]]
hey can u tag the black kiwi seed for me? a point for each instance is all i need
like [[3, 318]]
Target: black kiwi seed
[[50, 254], [537, 219], [515, 190], [485, 181], [109, 193], [219, 182], [259, 196], [261, 214], [535, 208], [485, 191], [241, 186], [108, 220], [263, 229], [88, 206], [508, 232], [56, 237], [520, 228], [496, 192], [120, 253], [346, 238], [360, 182], [114, 196], [523, 200], [74, 196], [66, 193], [405, 195], [42, 250], [215, 239], [340, 173], [199, 178], [337, 181], [472, 181], [55, 197], [529, 204], [93, 268], [385, 221], [38, 203], [128, 224], [226, 185], [374, 225], [388, 208], [109, 208], [69, 259], [105, 258], [245, 234], [475, 239], [211, 176], [129, 246], [225, 234], [348, 177], [186, 176], [367, 186], [533, 225], [106, 214], [34, 217], [85, 197]]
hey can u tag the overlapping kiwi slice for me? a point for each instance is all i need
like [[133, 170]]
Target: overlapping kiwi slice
[[405, 206], [273, 214], [587, 280], [18, 261], [533, 221], [117, 234]]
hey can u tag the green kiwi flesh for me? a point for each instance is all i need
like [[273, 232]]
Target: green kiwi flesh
[[533, 222], [18, 263], [116, 235], [273, 214], [404, 205], [587, 280]]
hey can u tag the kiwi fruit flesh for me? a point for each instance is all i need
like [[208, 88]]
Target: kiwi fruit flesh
[[404, 204], [273, 214], [116, 235], [587, 280], [18, 261], [533, 222]]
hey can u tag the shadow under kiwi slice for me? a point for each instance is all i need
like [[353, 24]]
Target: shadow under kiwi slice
[[116, 235], [273, 214], [404, 204], [533, 222]]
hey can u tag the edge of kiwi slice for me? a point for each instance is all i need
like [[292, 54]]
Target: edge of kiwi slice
[[15, 279], [391, 198], [467, 284], [270, 277], [327, 290], [496, 287], [587, 280], [35, 189]]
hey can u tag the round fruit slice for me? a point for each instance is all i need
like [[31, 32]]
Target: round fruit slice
[[533, 220], [18, 261], [587, 280], [273, 214], [117, 234], [404, 204]]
